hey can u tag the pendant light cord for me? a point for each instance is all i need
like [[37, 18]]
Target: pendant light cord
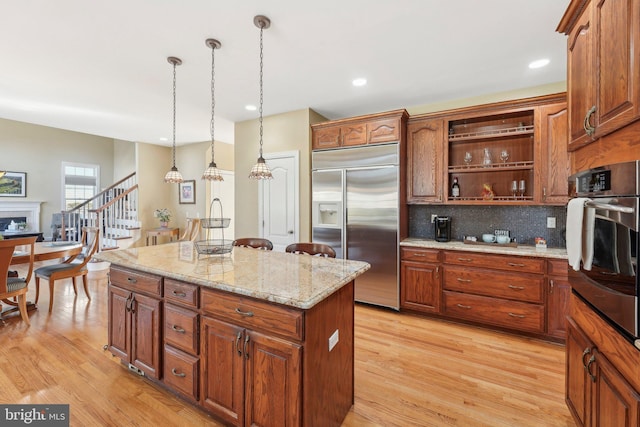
[[174, 114], [261, 65], [213, 100]]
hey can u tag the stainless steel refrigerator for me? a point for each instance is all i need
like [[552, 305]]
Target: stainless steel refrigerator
[[355, 209]]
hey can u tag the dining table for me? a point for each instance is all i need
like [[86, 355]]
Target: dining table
[[42, 251]]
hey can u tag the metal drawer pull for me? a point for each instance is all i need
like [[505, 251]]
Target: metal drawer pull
[[585, 353], [418, 254], [465, 259], [588, 367], [513, 264], [244, 313], [519, 316], [464, 306], [178, 329], [179, 294], [587, 122], [463, 280], [238, 337], [131, 280], [174, 372], [246, 345], [517, 288]]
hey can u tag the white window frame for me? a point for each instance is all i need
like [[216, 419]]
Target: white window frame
[[96, 168]]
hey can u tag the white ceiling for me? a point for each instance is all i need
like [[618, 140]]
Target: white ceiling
[[100, 67]]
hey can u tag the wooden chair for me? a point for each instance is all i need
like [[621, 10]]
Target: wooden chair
[[11, 287], [254, 242], [71, 267], [316, 249], [191, 231]]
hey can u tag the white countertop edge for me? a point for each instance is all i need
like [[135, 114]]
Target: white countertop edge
[[520, 250]]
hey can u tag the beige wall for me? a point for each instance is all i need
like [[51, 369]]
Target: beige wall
[[124, 160], [282, 132], [39, 151]]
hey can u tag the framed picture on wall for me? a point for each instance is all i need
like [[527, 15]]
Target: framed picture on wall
[[13, 184], [187, 192]]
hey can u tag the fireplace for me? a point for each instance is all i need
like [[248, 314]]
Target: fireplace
[[28, 212]]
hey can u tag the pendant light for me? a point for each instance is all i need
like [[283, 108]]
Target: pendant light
[[173, 176], [260, 170], [2, 173], [212, 173]]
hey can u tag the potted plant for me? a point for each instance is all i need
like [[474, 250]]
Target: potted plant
[[164, 215]]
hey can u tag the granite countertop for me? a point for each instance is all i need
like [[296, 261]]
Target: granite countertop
[[299, 281], [494, 248]]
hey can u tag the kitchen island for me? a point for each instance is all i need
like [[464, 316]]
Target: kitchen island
[[253, 337]]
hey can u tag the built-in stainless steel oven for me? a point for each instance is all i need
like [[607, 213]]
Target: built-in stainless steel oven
[[610, 284]]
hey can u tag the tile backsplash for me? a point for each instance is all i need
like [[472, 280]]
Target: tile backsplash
[[524, 222]]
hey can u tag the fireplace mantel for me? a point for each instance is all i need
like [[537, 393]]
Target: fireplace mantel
[[29, 209]]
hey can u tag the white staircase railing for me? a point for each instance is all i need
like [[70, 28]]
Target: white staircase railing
[[114, 209]]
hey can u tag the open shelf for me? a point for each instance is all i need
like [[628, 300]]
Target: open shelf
[[492, 133], [507, 166]]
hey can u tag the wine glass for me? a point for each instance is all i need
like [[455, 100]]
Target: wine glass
[[522, 187], [504, 156], [514, 188], [467, 158]]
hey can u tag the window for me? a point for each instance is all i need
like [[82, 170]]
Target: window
[[80, 182]]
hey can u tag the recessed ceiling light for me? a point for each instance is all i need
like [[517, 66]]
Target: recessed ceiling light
[[539, 63], [359, 82], [251, 107]]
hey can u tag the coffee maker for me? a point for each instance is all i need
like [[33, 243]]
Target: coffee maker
[[442, 226]]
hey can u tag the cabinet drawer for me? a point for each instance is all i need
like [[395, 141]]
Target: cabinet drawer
[[519, 287], [419, 254], [181, 293], [136, 281], [558, 268], [254, 314], [500, 262], [181, 328], [181, 371], [495, 311]]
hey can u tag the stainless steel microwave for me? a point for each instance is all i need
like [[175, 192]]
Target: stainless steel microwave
[[611, 284]]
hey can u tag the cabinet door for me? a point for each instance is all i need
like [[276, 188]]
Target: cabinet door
[[580, 92], [386, 130], [617, 54], [222, 359], [145, 334], [328, 137], [425, 142], [353, 135], [554, 159], [578, 351], [273, 383], [558, 307], [420, 286], [615, 402], [119, 323]]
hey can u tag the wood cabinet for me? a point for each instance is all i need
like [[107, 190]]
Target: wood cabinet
[[425, 146], [134, 320], [420, 276], [603, 67], [356, 131], [181, 338], [487, 148], [522, 294], [597, 394], [558, 293]]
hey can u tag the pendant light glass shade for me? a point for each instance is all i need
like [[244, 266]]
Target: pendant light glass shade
[[260, 170], [173, 176], [212, 173]]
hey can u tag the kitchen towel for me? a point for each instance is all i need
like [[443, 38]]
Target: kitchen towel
[[575, 213], [588, 225]]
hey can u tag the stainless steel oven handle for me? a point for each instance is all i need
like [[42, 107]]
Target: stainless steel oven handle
[[609, 207]]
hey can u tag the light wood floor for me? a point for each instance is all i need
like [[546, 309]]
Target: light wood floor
[[410, 371]]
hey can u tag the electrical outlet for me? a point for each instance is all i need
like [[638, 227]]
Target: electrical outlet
[[333, 339], [433, 218], [551, 222]]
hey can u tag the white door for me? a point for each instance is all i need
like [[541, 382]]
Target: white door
[[223, 190], [278, 220]]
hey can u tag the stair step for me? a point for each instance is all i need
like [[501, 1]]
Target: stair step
[[121, 237], [132, 228], [110, 248]]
